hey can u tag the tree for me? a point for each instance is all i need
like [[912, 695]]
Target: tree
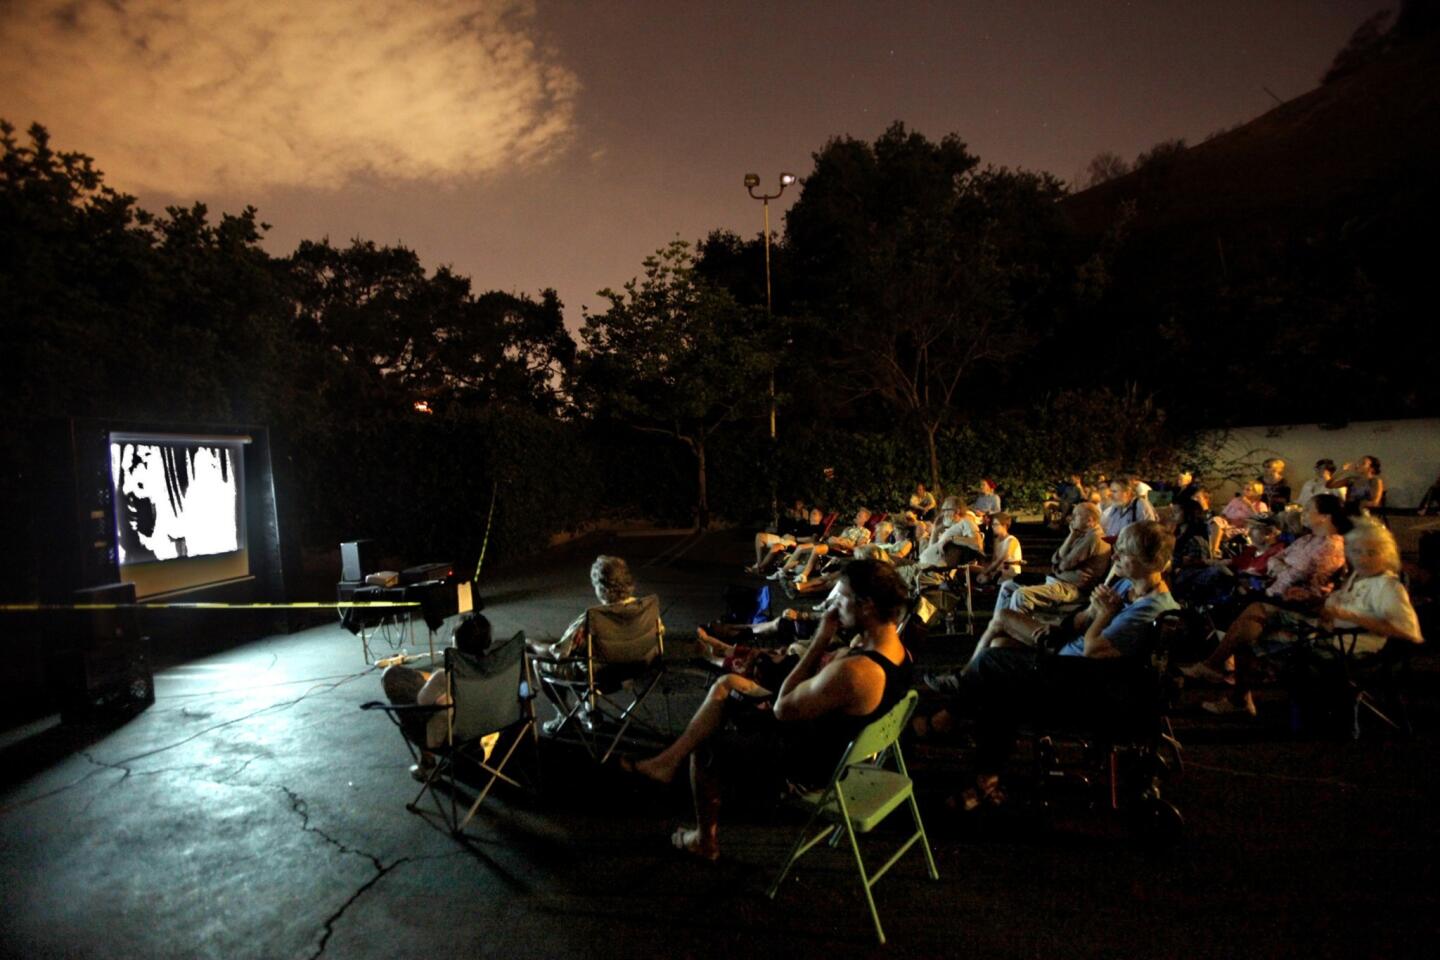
[[387, 335], [497, 348], [1160, 156], [926, 271], [1104, 167], [674, 355]]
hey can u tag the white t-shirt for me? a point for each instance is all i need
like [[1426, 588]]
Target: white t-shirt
[[962, 532], [1009, 548], [1382, 596], [1314, 487]]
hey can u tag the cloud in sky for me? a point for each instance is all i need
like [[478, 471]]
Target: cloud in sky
[[205, 95]]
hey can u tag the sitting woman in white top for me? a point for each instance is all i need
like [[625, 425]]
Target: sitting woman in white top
[[1005, 554], [1372, 600], [1320, 483]]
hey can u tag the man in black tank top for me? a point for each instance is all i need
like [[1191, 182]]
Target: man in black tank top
[[817, 710]]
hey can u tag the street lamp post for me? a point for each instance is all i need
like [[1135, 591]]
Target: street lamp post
[[752, 181]]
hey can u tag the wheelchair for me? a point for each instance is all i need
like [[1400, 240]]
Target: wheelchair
[[1107, 743]]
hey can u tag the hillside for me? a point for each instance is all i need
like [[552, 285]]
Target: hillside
[[1293, 255], [1367, 144]]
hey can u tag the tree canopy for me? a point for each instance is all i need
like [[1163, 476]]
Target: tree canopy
[[673, 354], [926, 269]]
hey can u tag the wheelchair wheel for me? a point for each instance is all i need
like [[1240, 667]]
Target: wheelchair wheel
[[1155, 821]]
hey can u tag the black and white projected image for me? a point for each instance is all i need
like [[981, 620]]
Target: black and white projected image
[[174, 500]]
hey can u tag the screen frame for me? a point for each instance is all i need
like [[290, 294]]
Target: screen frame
[[176, 575]]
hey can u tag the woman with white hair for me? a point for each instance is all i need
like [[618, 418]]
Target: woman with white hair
[[1372, 600]]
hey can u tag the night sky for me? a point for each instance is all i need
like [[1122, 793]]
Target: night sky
[[557, 143]]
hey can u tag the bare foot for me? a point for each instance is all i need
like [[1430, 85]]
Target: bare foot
[[716, 648], [650, 769], [939, 724], [688, 840]]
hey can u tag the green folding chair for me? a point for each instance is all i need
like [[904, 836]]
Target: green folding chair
[[861, 794]]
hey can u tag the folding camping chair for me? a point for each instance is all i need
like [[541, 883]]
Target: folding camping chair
[[860, 795], [624, 650], [1328, 666], [490, 693]]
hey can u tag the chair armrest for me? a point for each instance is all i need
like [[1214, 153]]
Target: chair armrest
[[405, 708], [555, 661]]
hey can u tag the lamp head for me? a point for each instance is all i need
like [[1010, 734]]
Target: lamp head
[[786, 179], [752, 180]]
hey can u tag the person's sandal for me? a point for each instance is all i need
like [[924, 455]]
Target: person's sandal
[[990, 792], [425, 769], [988, 795]]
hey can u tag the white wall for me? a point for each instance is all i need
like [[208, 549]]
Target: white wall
[[1408, 450]]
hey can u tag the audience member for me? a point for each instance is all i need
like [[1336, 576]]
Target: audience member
[[406, 685], [612, 582], [1077, 565], [1101, 494], [1320, 483], [1364, 487], [988, 502], [1276, 493], [1430, 503], [1372, 600], [1001, 683], [922, 502], [798, 734], [802, 559], [1304, 572], [1125, 508], [1185, 486], [1006, 556], [954, 539], [1248, 501], [801, 525]]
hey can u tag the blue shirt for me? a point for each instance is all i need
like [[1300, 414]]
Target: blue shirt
[[1127, 631]]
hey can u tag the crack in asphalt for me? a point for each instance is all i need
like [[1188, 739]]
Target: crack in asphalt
[[334, 918], [109, 766], [299, 806]]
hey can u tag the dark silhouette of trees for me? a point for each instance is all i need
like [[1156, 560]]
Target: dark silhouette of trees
[[923, 269], [385, 335], [1104, 167], [674, 355]]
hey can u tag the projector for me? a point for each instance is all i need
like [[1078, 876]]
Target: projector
[[427, 571], [383, 578]]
